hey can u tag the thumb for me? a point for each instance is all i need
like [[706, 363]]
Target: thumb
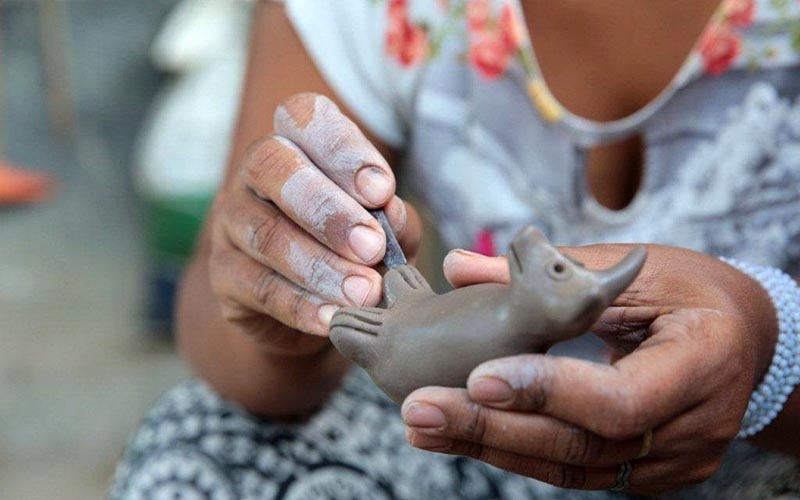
[[462, 268]]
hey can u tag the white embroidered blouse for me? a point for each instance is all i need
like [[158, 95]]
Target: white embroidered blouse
[[442, 80]]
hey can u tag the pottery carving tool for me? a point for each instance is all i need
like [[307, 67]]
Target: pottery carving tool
[[394, 256]]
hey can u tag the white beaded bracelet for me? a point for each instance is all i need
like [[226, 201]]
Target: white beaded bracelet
[[784, 371]]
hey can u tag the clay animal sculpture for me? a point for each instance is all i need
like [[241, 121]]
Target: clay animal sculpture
[[422, 338]]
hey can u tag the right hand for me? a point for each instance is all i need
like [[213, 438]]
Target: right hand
[[291, 239]]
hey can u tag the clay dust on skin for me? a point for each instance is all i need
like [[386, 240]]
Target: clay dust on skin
[[310, 321], [521, 376], [517, 375], [315, 210], [316, 272], [317, 202], [330, 135]]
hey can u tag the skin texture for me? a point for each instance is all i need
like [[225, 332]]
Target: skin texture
[[269, 271], [688, 348], [689, 345], [422, 338], [604, 61]]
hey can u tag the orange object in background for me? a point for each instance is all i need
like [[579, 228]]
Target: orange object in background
[[18, 186]]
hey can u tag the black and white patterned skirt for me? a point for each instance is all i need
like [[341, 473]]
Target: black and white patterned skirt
[[195, 445]]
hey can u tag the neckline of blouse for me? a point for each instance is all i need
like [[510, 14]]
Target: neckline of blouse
[[588, 132]]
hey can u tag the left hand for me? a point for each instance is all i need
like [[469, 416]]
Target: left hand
[[691, 338]]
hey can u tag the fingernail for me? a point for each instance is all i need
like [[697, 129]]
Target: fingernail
[[366, 243], [400, 216], [456, 255], [460, 252], [374, 184], [357, 289], [325, 314], [426, 441], [489, 390], [423, 415]]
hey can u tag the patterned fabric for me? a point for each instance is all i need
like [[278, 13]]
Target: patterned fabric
[[193, 445], [417, 75], [450, 82], [497, 37]]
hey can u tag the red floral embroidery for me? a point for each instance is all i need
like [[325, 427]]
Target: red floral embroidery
[[478, 13], [719, 48], [488, 53], [513, 33], [398, 10], [406, 42], [484, 243], [493, 42], [740, 13]]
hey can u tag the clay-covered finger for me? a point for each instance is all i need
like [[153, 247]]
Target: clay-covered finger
[[244, 284], [278, 171], [260, 230], [337, 146]]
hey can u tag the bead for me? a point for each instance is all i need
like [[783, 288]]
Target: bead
[[783, 374]]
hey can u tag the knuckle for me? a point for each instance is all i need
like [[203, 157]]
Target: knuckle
[[565, 476], [298, 310], [264, 234], [474, 426], [581, 446], [324, 205], [297, 111], [535, 395], [265, 156], [556, 474], [265, 287], [320, 269], [328, 218], [628, 421], [300, 101], [220, 215], [342, 141], [231, 311], [575, 477], [478, 452]]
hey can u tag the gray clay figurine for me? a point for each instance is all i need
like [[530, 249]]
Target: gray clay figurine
[[423, 339]]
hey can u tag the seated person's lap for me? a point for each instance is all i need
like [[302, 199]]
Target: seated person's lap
[[195, 443]]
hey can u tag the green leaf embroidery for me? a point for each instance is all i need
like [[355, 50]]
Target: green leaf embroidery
[[780, 5]]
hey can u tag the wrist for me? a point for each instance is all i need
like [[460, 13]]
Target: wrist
[[758, 316], [782, 374]]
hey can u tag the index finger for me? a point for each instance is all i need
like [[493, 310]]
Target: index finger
[[621, 401], [337, 146]]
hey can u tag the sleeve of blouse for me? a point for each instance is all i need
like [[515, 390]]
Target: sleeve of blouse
[[345, 39]]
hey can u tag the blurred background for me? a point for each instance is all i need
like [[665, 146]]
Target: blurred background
[[114, 124]]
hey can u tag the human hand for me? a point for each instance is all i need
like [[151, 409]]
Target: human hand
[[291, 240], [691, 338]]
